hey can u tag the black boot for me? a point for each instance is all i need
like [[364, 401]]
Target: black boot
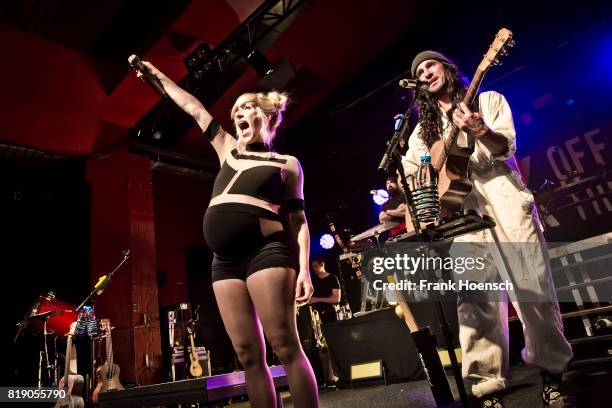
[[552, 396]]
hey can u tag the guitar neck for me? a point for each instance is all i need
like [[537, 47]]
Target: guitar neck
[[67, 360], [194, 352], [109, 353], [468, 99]]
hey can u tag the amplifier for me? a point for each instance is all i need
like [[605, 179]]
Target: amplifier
[[178, 362]]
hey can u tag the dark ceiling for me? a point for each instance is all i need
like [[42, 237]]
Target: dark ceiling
[[68, 90]]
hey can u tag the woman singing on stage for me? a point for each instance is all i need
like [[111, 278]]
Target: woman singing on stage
[[255, 280]]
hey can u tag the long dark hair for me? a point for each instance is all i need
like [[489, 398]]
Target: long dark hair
[[430, 116]]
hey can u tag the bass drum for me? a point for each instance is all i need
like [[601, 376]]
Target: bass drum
[[59, 323]]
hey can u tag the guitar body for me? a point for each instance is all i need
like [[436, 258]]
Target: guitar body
[[106, 382], [74, 392], [107, 375], [195, 369], [454, 183]]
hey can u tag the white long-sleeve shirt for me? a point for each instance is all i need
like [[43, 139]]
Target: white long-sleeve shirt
[[498, 190]]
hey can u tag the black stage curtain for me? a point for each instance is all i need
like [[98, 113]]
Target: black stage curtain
[[378, 335]]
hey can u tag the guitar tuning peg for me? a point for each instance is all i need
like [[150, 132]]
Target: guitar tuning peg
[[511, 43]]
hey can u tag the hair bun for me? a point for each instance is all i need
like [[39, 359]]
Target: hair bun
[[279, 100]]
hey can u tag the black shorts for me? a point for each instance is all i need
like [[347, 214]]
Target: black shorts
[[273, 253]]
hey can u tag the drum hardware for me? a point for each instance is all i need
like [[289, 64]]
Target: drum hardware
[[47, 309], [375, 231], [343, 312], [49, 313]]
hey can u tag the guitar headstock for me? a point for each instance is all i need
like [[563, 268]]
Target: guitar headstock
[[499, 48]]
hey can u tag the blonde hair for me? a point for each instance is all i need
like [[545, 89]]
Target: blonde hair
[[272, 104]]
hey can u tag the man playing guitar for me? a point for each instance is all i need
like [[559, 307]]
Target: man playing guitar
[[499, 192]]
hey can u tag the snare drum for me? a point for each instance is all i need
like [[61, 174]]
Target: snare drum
[[57, 323]]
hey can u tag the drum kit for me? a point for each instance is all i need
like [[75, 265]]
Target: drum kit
[[50, 317]]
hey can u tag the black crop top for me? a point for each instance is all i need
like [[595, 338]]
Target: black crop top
[[262, 178]]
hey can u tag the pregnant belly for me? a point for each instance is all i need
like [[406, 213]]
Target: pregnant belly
[[232, 233]]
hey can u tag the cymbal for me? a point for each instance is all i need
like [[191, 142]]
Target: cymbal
[[48, 313], [375, 230]]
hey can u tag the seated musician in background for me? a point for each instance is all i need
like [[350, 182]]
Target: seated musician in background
[[498, 191], [394, 209]]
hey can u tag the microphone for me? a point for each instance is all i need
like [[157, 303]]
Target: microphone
[[137, 64], [414, 84]]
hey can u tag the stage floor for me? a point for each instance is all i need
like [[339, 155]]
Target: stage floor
[[590, 386]]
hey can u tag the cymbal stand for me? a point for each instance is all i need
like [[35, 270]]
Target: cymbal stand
[[40, 359], [49, 366], [55, 366]]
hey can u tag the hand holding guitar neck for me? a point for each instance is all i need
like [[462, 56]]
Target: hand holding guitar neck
[[145, 73]]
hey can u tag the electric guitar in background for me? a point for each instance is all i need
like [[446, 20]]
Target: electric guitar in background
[[107, 375], [72, 384]]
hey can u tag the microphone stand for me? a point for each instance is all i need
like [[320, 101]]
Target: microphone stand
[[103, 282], [401, 128], [424, 339]]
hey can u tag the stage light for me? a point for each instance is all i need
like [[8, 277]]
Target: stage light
[[380, 196], [258, 61], [326, 241], [195, 62]]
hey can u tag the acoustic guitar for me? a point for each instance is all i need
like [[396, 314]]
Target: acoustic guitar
[[107, 375], [450, 160], [195, 369], [72, 384]]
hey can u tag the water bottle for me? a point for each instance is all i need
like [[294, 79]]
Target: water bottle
[[425, 195]]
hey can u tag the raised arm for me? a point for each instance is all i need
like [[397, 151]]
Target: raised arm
[[219, 138]]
